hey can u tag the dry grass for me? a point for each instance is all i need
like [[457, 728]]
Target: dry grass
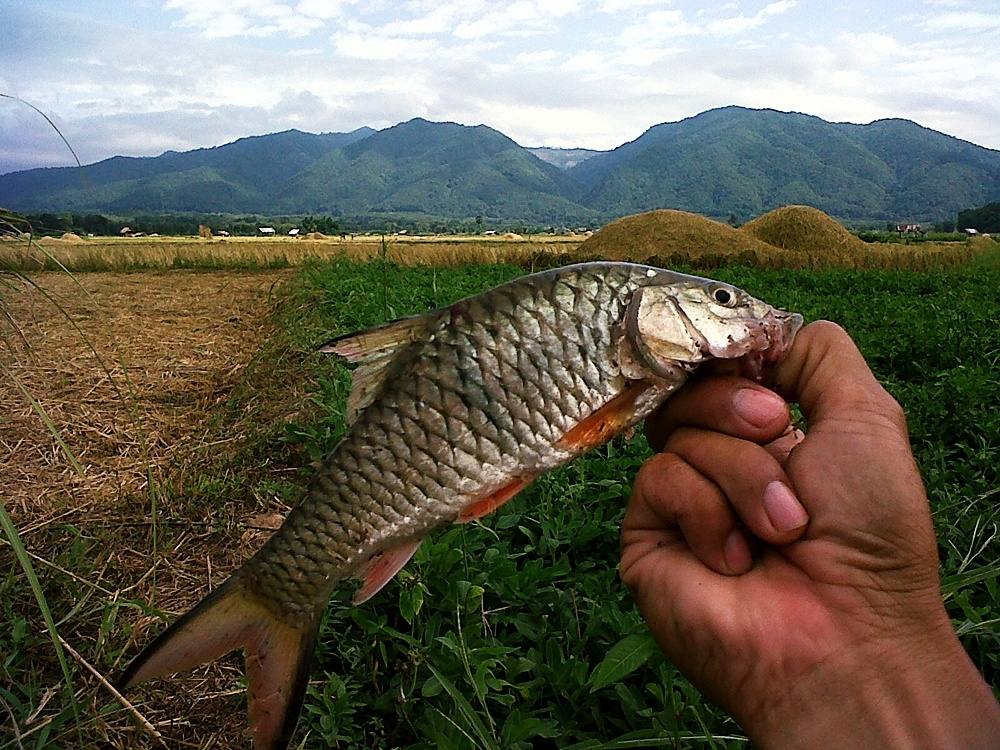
[[667, 233], [791, 237], [133, 399], [803, 229], [116, 254]]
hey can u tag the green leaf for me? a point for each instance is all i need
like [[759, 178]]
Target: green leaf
[[625, 657], [411, 599]]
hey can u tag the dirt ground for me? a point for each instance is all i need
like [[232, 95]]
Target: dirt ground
[[127, 366]]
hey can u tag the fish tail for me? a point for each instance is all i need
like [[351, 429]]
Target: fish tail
[[278, 656]]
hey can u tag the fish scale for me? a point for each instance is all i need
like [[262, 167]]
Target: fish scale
[[452, 413]]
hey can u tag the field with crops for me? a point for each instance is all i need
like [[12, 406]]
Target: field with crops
[[512, 632]]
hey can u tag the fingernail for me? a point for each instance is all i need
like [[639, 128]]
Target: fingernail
[[759, 408], [737, 553], [783, 509]]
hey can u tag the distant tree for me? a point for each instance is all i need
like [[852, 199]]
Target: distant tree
[[733, 220], [985, 218], [946, 226]]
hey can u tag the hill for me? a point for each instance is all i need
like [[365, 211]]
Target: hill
[[725, 162], [442, 169], [237, 176], [745, 162]]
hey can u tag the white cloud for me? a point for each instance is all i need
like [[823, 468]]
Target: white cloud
[[519, 18], [740, 24], [372, 44], [227, 18], [964, 21]]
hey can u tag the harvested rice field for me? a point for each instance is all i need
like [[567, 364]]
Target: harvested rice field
[[128, 368]]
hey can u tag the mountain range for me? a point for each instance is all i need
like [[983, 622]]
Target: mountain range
[[724, 162]]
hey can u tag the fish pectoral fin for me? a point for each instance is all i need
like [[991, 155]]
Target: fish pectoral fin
[[488, 504], [278, 656], [607, 421], [381, 568]]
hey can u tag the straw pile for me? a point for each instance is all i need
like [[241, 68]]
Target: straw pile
[[803, 229], [667, 233], [71, 237]]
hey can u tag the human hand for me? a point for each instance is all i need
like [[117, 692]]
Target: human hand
[[834, 634]]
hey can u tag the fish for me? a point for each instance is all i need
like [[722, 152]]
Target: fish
[[451, 414]]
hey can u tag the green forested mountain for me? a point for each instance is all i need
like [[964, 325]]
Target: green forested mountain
[[238, 176], [745, 162], [441, 169], [729, 161]]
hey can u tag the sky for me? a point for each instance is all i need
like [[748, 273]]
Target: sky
[[139, 78]]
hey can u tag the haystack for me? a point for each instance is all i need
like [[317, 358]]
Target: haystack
[[665, 233], [804, 229], [315, 236], [512, 236], [71, 237]]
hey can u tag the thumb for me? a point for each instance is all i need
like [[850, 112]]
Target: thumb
[[828, 377]]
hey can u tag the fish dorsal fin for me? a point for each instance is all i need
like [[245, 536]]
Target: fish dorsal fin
[[373, 350], [378, 342]]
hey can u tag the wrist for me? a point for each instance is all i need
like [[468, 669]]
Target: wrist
[[886, 696]]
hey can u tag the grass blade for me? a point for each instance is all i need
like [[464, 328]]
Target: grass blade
[[29, 572]]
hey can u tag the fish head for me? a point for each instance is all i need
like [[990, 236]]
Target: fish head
[[675, 323]]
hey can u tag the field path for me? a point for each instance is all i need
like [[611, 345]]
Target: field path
[[169, 347]]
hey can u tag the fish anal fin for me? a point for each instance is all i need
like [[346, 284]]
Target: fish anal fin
[[494, 500], [381, 568], [616, 415], [380, 341], [278, 656]]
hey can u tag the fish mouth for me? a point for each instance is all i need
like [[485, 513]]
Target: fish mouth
[[775, 333]]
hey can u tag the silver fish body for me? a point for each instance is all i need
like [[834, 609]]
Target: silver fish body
[[452, 413]]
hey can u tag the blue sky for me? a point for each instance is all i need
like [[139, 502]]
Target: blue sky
[[139, 78]]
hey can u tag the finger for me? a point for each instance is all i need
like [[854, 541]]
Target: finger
[[751, 478], [826, 374], [674, 506], [729, 404]]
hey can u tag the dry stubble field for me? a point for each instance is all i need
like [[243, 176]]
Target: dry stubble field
[[129, 396]]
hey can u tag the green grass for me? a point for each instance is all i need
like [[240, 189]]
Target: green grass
[[496, 635], [515, 632]]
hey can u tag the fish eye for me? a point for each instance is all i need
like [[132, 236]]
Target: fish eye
[[723, 296]]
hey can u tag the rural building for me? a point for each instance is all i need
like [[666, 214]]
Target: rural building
[[293, 232], [970, 231], [266, 231], [908, 228], [222, 233], [125, 231]]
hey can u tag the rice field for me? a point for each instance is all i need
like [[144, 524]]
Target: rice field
[[184, 413]]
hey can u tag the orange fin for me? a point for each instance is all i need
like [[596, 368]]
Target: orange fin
[[490, 503], [381, 568], [606, 422], [278, 656]]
